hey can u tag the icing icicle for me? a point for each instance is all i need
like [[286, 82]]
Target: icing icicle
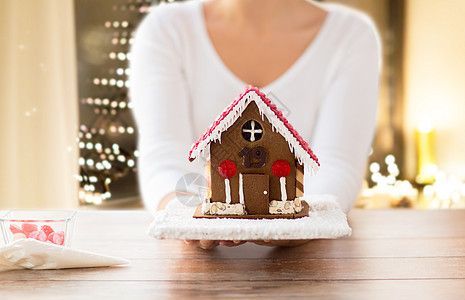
[[282, 181], [227, 188], [241, 189]]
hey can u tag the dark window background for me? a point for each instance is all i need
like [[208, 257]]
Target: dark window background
[[106, 134]]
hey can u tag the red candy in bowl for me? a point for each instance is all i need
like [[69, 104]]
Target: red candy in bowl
[[54, 227]]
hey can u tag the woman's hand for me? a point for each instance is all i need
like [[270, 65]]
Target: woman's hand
[[282, 243], [210, 244]]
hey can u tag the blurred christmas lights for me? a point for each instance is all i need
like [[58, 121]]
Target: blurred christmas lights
[[444, 191]]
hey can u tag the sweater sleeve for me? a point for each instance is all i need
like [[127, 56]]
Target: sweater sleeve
[[346, 121], [161, 109]]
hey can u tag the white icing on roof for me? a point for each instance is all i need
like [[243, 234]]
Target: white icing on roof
[[297, 145]]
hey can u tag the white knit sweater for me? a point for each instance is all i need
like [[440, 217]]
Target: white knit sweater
[[179, 85]]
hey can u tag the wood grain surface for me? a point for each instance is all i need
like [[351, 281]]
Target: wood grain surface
[[392, 254]]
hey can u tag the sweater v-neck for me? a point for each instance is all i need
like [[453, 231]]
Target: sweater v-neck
[[232, 77]]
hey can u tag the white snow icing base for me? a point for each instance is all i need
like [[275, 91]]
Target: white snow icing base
[[326, 220]]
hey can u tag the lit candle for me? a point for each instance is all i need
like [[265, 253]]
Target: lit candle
[[427, 167]]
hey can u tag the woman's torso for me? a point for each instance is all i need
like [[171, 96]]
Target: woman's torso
[[298, 92]]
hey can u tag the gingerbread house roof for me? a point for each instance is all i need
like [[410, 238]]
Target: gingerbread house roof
[[297, 145]]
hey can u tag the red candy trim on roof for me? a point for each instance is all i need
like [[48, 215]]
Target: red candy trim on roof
[[272, 107]]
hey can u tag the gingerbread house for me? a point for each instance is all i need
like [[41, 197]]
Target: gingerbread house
[[256, 162]]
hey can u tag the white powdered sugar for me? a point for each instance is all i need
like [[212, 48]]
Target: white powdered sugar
[[325, 220]]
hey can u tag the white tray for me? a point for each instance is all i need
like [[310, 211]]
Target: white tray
[[326, 220]]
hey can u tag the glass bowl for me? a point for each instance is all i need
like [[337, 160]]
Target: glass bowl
[[51, 226]]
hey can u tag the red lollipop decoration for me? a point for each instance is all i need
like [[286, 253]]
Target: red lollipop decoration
[[227, 169], [281, 169]]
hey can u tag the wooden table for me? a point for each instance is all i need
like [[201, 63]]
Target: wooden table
[[392, 254]]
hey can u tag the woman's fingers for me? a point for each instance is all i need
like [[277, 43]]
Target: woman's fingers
[[231, 243], [210, 244], [204, 244], [281, 243]]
